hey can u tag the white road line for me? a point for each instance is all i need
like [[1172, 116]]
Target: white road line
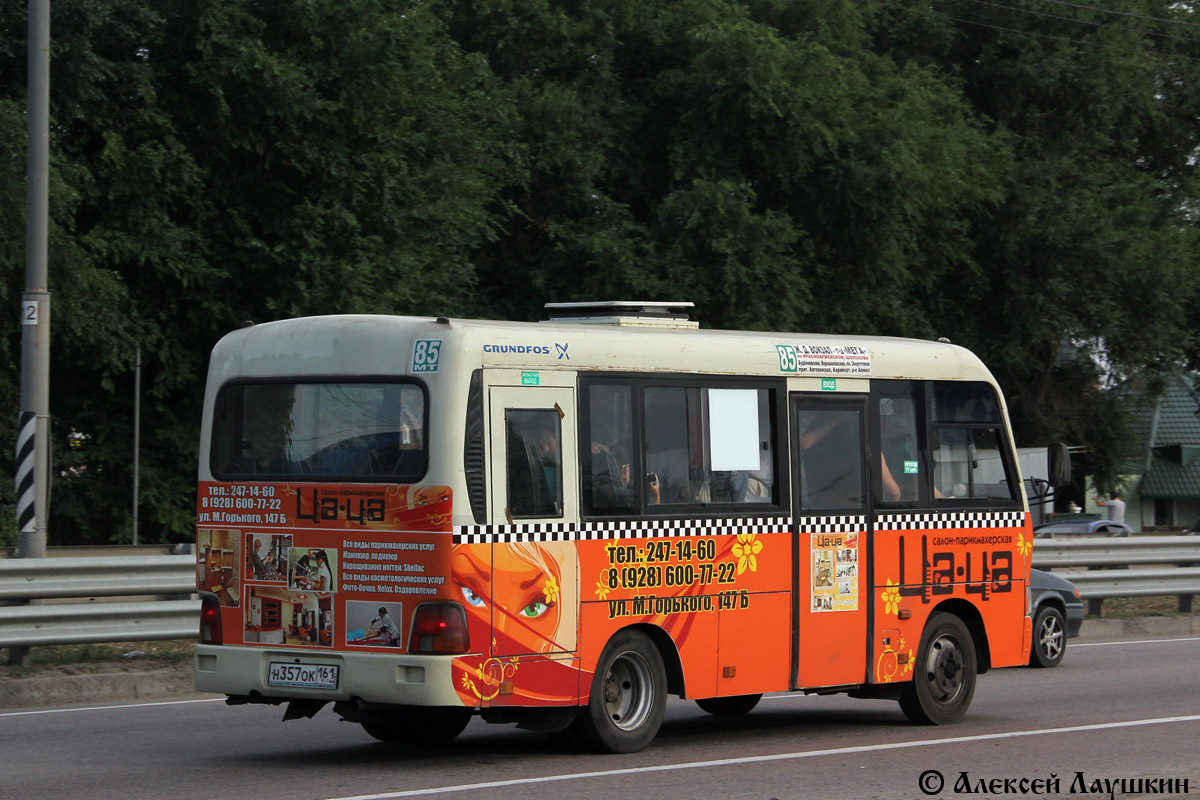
[[108, 708], [1073, 645], [724, 762]]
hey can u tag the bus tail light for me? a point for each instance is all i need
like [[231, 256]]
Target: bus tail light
[[210, 620], [439, 628]]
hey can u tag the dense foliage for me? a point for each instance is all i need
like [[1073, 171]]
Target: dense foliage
[[1017, 175]]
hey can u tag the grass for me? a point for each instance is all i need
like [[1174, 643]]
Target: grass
[[1141, 607], [99, 657]]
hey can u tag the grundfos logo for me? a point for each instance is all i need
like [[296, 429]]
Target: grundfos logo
[[517, 348], [529, 349]]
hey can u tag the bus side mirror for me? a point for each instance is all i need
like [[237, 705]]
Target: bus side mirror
[[1058, 464]]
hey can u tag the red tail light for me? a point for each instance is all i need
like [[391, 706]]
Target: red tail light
[[210, 620], [439, 628]]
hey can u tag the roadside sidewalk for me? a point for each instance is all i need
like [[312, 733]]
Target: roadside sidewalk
[[132, 681]]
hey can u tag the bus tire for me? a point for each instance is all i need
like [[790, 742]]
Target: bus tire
[[627, 699], [417, 725], [729, 706], [943, 675]]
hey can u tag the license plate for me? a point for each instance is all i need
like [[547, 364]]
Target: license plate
[[303, 676]]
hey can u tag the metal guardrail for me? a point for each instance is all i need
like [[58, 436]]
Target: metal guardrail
[[1112, 551], [41, 579], [1108, 559], [105, 550], [90, 623]]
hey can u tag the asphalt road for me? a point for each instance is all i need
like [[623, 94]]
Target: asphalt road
[[1113, 710]]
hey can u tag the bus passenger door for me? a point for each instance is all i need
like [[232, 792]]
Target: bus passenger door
[[830, 508], [533, 569]]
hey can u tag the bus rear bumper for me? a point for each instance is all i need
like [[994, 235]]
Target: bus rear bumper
[[370, 677]]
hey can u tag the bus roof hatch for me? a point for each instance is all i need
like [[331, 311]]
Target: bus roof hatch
[[629, 313]]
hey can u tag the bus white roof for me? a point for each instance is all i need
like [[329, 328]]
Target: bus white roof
[[383, 345]]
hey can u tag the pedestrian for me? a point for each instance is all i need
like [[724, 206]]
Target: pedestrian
[[1115, 506]]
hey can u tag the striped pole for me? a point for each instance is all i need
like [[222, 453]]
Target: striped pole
[[26, 461]]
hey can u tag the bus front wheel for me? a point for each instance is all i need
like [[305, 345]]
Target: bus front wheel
[[628, 696], [943, 675], [417, 725]]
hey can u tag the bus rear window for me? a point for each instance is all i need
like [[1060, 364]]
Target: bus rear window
[[351, 431]]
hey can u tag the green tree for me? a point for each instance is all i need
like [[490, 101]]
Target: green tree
[[222, 161], [758, 154], [1089, 265]]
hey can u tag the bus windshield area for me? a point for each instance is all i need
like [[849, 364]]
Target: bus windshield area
[[321, 431]]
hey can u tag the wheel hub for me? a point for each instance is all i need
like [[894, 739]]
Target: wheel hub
[[1050, 637], [628, 693], [946, 669]]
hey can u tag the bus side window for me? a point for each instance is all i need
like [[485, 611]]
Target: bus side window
[[899, 444], [674, 459], [968, 443], [607, 451], [534, 463]]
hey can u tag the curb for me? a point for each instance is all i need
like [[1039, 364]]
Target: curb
[[1137, 627], [101, 687]]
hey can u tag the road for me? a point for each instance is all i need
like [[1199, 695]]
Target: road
[[1113, 710]]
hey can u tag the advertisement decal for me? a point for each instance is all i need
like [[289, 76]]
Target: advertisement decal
[[324, 566]]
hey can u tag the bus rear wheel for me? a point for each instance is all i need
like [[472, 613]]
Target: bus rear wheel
[[417, 725], [628, 697], [729, 706], [944, 673]]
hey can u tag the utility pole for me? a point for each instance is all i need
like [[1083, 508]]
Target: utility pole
[[137, 434], [33, 433], [33, 438]]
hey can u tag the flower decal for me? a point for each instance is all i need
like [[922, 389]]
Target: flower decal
[[602, 590], [747, 550], [891, 598], [550, 589], [894, 664], [490, 676], [1024, 546]]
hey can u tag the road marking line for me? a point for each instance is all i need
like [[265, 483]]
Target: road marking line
[[1138, 641], [106, 708], [724, 762]]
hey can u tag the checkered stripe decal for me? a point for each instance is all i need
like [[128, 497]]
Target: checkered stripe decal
[[948, 520], [617, 529], [852, 524], [661, 528]]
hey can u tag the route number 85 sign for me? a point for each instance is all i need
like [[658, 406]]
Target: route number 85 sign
[[426, 354]]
